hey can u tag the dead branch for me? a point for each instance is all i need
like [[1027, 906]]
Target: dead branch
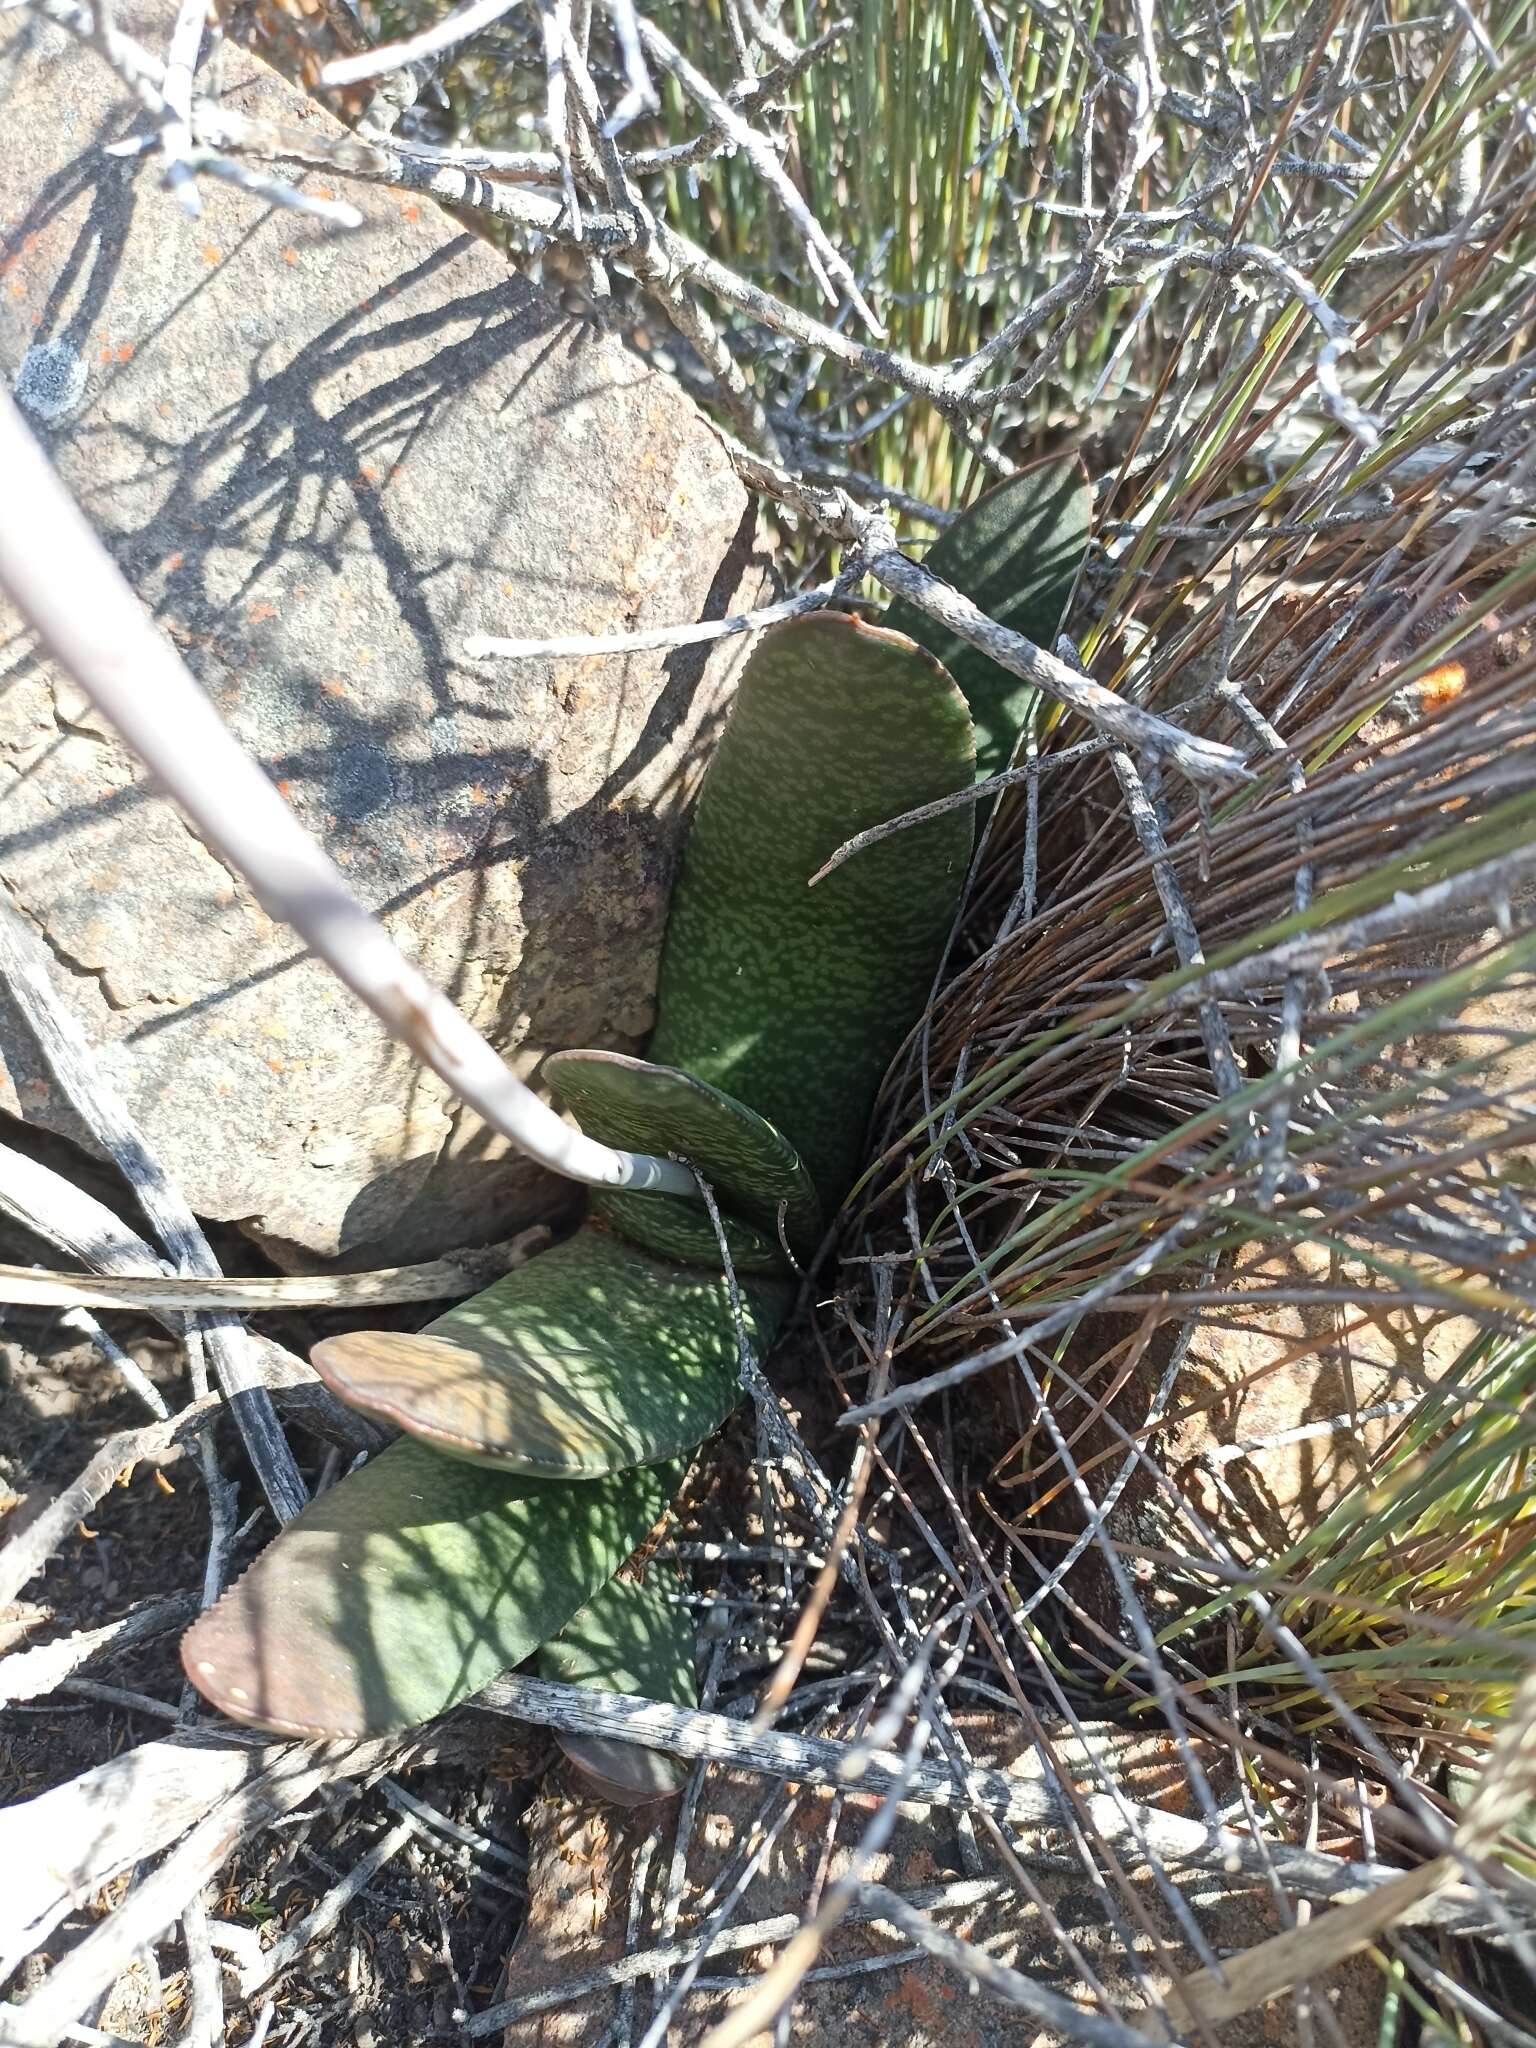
[[1018, 1801]]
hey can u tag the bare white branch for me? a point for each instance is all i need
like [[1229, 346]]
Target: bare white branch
[[579, 644], [455, 27], [825, 259], [176, 133], [1026, 1797], [639, 93], [28, 974]]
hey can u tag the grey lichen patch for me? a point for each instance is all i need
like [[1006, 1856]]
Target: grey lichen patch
[[50, 381]]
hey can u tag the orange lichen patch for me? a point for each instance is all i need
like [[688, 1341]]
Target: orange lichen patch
[[18, 290], [9, 258], [333, 686], [410, 212], [257, 612], [210, 253], [1442, 685], [285, 787], [366, 477], [915, 1998], [175, 561], [125, 352], [290, 255]]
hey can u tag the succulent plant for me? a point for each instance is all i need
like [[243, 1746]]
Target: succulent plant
[[1015, 552], [548, 1420], [629, 1638]]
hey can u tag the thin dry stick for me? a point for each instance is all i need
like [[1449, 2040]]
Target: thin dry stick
[[323, 1917], [106, 1951], [874, 539], [996, 1980], [1308, 1949], [146, 78], [45, 1202], [454, 28], [1480, 889], [205, 2022], [1502, 1797], [176, 134], [640, 95], [32, 1674], [1180, 919], [978, 793], [824, 259], [962, 1896], [81, 1835], [77, 1223], [132, 1376], [437, 1280], [481, 645], [774, 1992]]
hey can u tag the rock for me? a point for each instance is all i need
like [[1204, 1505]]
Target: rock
[[324, 459]]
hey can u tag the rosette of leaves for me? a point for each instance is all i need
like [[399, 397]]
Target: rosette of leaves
[[547, 1422]]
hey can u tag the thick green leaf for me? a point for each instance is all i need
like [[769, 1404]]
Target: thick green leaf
[[630, 1638], [1016, 553], [752, 1168], [795, 999], [589, 1359], [408, 1586]]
